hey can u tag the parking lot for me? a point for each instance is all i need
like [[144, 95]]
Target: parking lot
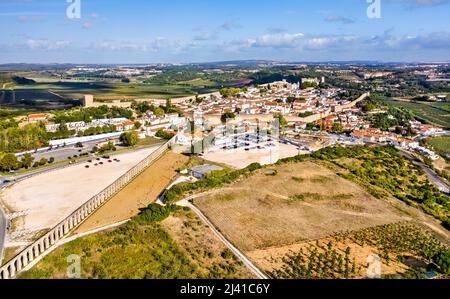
[[242, 150], [62, 153], [50, 197]]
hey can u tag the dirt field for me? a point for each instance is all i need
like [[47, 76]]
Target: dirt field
[[239, 158], [205, 250], [50, 197], [442, 165], [138, 194], [302, 202]]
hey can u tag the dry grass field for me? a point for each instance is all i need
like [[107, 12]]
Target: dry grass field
[[207, 252], [180, 246], [301, 202]]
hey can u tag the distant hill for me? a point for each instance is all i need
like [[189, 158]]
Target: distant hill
[[10, 79], [22, 80]]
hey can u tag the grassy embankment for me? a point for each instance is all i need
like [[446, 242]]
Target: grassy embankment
[[434, 113], [143, 248]]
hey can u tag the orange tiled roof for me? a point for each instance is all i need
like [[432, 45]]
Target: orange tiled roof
[[41, 115]]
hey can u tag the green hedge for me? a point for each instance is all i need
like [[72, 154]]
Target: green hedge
[[216, 179]]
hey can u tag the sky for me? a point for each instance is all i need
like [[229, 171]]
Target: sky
[[182, 31]]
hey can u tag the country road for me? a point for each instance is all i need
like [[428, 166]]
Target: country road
[[432, 176], [250, 266]]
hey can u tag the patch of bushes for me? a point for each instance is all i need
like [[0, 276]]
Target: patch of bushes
[[214, 180], [154, 213], [384, 171]]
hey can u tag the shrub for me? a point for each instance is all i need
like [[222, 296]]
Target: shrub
[[154, 213]]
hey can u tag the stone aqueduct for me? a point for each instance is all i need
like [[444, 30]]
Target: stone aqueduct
[[63, 229]]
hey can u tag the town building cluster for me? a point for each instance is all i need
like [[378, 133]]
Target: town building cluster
[[278, 97], [302, 105]]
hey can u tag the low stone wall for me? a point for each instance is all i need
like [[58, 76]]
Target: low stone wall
[[64, 228], [352, 104]]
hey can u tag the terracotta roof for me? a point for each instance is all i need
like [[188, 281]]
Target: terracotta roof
[[41, 115]]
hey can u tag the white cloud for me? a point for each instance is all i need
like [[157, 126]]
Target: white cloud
[[205, 36], [87, 25], [30, 18], [230, 25], [420, 3], [45, 44], [277, 40]]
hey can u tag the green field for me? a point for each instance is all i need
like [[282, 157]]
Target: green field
[[440, 144], [114, 90], [199, 82], [435, 113]]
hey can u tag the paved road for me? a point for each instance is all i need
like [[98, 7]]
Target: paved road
[[432, 176], [61, 154], [3, 224], [258, 273]]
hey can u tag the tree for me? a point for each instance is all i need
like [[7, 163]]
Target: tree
[[137, 125], [27, 160], [442, 260], [306, 85], [168, 104], [164, 135], [43, 161], [198, 100], [8, 162], [338, 128], [227, 115], [305, 114], [129, 138], [158, 112], [229, 92], [281, 119]]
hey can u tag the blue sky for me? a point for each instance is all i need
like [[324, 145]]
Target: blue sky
[[150, 31]]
